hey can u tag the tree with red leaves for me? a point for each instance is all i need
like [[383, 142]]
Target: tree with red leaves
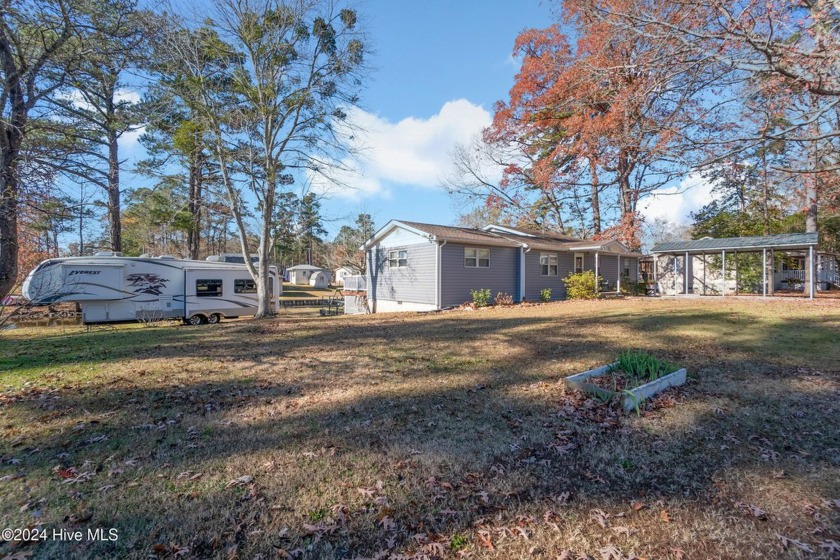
[[602, 112]]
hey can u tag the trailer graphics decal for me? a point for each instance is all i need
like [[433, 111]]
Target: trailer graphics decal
[[147, 283]]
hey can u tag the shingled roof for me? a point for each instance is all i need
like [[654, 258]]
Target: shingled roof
[[784, 241], [454, 233]]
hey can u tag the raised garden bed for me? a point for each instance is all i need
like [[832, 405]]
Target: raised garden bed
[[636, 376]]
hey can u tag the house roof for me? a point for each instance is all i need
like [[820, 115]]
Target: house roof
[[787, 240], [304, 267], [499, 236]]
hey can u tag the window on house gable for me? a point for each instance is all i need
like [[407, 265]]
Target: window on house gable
[[476, 258], [398, 258], [548, 264]]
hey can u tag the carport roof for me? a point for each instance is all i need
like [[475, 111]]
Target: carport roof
[[784, 241]]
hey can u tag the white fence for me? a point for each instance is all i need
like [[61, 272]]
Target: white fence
[[356, 283]]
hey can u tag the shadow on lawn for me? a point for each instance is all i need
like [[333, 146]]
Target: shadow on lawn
[[449, 458]]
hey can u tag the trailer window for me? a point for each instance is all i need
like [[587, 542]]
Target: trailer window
[[244, 287], [208, 288]]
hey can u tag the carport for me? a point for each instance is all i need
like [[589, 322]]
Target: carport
[[710, 266]]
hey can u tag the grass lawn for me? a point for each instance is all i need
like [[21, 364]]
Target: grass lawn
[[438, 435], [300, 291]]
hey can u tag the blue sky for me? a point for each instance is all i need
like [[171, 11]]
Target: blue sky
[[438, 68]]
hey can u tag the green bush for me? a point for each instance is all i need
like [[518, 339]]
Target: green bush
[[633, 288], [545, 294], [481, 298], [581, 285]]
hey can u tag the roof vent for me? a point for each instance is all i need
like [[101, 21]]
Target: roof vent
[[166, 258], [107, 254], [706, 237]]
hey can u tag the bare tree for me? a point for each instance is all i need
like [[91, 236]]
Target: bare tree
[[293, 70]]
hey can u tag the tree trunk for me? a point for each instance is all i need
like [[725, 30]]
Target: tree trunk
[[195, 194], [264, 284], [8, 211], [623, 177], [114, 225], [596, 203]]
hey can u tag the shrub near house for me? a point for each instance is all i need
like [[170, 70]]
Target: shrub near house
[[581, 285]]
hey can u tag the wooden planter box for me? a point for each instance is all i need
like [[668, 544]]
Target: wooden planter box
[[637, 395]]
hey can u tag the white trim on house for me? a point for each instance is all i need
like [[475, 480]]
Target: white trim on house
[[389, 227], [493, 227], [390, 306]]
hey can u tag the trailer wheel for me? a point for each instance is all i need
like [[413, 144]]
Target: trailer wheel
[[214, 318], [197, 320]]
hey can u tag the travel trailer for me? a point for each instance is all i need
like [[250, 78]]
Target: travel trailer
[[113, 288]]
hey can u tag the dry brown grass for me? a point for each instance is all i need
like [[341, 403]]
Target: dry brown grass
[[437, 435]]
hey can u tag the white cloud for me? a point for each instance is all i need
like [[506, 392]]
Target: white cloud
[[676, 203], [413, 151]]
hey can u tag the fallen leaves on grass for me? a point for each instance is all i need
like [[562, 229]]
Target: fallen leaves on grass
[[752, 510], [788, 542], [241, 481]]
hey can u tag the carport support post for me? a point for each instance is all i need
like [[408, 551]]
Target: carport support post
[[704, 274], [736, 273], [764, 272], [685, 272], [655, 278], [811, 270], [723, 271]]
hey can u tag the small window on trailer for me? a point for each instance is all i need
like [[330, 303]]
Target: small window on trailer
[[548, 264], [246, 286], [398, 258], [208, 288], [476, 258]]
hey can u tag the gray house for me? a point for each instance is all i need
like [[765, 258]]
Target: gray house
[[423, 267]]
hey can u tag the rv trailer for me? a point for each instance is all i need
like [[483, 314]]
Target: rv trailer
[[113, 288]]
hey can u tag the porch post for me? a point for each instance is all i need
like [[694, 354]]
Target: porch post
[[723, 270], [764, 272], [704, 274], [618, 275], [597, 284], [811, 270], [685, 272]]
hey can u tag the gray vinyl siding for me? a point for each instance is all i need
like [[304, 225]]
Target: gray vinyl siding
[[535, 281], [457, 280], [415, 283]]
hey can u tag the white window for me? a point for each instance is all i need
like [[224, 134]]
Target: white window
[[476, 258], [578, 263], [548, 264], [398, 258]]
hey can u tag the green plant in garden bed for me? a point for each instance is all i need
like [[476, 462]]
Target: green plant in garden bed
[[632, 369]]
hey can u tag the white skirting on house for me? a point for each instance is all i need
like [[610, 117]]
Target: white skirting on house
[[389, 306]]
